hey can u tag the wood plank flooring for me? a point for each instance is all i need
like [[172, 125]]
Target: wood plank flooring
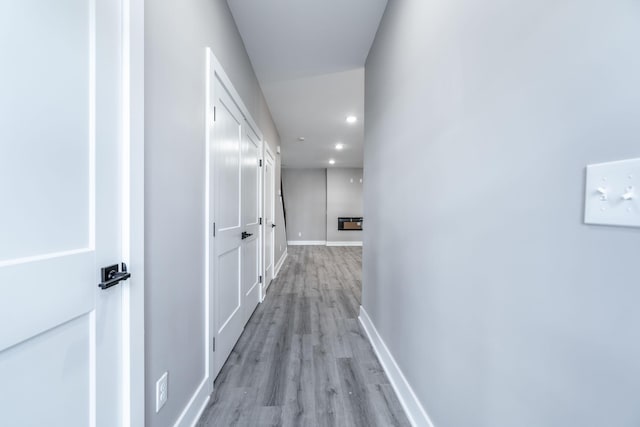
[[303, 358]]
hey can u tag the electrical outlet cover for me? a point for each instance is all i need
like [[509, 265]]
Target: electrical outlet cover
[[162, 391]]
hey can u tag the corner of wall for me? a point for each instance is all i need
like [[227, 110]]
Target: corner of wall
[[408, 399]]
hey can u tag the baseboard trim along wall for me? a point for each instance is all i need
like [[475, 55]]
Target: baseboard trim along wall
[[321, 243], [412, 406], [307, 242], [279, 264], [344, 243], [194, 409]]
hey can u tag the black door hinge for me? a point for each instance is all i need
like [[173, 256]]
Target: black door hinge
[[214, 114], [214, 344], [260, 162], [214, 229], [260, 279], [260, 221]]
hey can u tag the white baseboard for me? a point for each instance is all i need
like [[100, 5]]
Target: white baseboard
[[194, 409], [412, 406], [279, 264], [344, 243], [321, 243], [307, 242]]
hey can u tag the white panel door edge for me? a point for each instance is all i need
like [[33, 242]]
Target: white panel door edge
[[133, 211]]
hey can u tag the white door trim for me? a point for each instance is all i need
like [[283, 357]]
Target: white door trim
[[133, 212]]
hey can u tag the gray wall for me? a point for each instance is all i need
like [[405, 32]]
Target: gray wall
[[501, 307], [344, 198], [176, 37], [305, 199]]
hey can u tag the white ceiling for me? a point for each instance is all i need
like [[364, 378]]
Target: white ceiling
[[309, 58]]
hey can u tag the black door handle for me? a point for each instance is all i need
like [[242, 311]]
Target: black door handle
[[273, 226], [111, 275], [245, 235]]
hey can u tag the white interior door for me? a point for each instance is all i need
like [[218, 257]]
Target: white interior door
[[269, 216], [251, 250], [226, 161], [61, 340]]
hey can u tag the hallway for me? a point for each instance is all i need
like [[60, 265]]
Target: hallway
[[303, 358]]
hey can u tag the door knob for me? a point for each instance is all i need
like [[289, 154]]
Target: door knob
[[273, 226], [245, 235]]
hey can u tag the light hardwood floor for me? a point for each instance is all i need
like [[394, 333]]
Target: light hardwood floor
[[303, 358]]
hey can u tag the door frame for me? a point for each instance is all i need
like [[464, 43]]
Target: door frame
[[214, 69], [133, 250], [265, 285]]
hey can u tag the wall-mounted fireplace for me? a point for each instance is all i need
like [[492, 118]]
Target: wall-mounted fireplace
[[349, 223]]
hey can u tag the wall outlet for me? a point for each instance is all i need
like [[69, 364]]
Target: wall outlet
[[162, 391]]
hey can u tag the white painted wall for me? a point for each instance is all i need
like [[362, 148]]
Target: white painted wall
[[344, 198], [500, 306], [176, 37], [305, 199]]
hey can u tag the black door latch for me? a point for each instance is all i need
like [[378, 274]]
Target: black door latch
[[111, 275]]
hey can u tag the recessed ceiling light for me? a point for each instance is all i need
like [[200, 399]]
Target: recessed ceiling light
[[301, 138], [352, 119], [339, 146], [332, 162]]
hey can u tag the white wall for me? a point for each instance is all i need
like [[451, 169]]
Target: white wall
[[500, 306], [344, 198], [305, 199], [176, 37]]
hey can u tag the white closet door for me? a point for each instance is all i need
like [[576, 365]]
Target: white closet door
[[226, 161], [251, 149], [61, 216]]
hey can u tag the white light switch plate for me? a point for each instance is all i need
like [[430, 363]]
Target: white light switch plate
[[613, 193]]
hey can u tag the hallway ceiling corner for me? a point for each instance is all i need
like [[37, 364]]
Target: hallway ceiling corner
[[309, 58]]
